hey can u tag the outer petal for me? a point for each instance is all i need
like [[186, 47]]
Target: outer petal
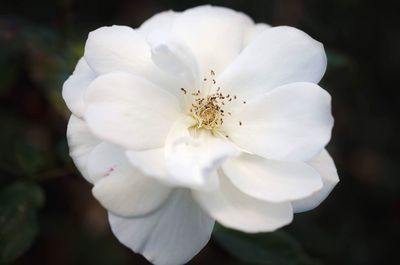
[[171, 235], [276, 57], [292, 122], [161, 21], [117, 48], [191, 158], [254, 32], [151, 162], [215, 34], [81, 143], [175, 58], [234, 209], [75, 86], [324, 164], [120, 48], [273, 181], [127, 110], [121, 188]]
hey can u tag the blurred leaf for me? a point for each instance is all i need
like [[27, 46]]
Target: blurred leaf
[[8, 75], [29, 157], [26, 148], [337, 59], [276, 248], [57, 101], [305, 260], [18, 224], [48, 59], [8, 136], [107, 251]]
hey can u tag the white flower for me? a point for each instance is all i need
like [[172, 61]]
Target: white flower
[[200, 116]]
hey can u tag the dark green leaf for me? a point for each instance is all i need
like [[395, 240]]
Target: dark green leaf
[[338, 60], [8, 75], [18, 224], [277, 248], [29, 157]]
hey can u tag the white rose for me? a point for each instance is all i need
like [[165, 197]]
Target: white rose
[[199, 116]]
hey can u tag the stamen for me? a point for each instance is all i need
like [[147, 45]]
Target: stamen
[[207, 106]]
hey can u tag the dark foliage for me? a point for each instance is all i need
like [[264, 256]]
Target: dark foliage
[[47, 213]]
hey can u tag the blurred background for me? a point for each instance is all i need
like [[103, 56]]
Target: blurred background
[[47, 212]]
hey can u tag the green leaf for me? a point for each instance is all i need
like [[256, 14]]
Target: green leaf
[[8, 75], [18, 222], [29, 157], [276, 248], [338, 59]]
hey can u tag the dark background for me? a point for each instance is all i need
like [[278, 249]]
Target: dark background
[[47, 212]]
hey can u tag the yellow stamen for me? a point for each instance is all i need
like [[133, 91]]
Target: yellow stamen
[[207, 111]]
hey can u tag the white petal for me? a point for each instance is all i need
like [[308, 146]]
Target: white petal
[[236, 210], [75, 86], [276, 57], [119, 187], [324, 164], [175, 58], [160, 21], [273, 181], [127, 110], [120, 48], [151, 162], [192, 158], [81, 143], [117, 48], [172, 235], [292, 122], [105, 160], [215, 34], [254, 32]]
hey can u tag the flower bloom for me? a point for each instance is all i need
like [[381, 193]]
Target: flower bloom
[[196, 117]]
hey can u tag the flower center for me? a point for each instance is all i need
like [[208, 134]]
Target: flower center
[[207, 109]]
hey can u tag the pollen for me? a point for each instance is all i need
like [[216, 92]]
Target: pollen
[[207, 107], [207, 112]]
